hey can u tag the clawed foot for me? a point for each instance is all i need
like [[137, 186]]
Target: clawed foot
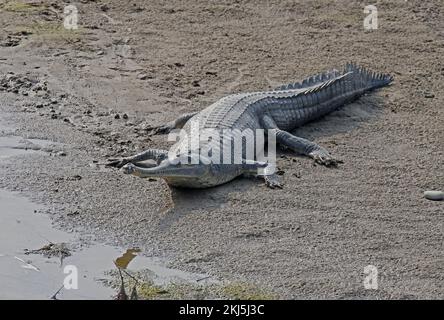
[[129, 168], [324, 158], [272, 181], [117, 163], [163, 129]]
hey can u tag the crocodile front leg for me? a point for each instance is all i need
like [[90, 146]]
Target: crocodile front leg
[[175, 124], [263, 170], [150, 154], [301, 145]]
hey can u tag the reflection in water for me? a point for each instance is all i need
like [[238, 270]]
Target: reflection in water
[[30, 273], [27, 274]]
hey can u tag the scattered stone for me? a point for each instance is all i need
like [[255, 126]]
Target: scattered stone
[[117, 116], [40, 86], [104, 7], [142, 76], [434, 195], [125, 116], [100, 53], [61, 154], [10, 41], [72, 214], [429, 95], [69, 121], [52, 250], [103, 114]]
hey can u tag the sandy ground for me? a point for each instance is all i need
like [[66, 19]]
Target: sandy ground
[[133, 64]]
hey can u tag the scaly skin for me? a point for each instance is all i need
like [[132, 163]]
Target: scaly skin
[[281, 110]]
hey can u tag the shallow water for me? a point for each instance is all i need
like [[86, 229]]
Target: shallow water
[[34, 276], [10, 146], [24, 226]]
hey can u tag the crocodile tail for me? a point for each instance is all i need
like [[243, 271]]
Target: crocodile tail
[[364, 77], [310, 81]]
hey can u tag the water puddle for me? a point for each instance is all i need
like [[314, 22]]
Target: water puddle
[[27, 271], [33, 276], [13, 146]]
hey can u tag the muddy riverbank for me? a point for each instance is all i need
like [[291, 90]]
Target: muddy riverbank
[[69, 100]]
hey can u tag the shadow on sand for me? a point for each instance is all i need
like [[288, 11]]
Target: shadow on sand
[[347, 118]]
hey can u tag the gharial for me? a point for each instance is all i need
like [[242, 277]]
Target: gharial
[[281, 110]]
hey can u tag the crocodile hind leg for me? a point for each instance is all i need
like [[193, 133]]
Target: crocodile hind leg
[[150, 154], [175, 124], [301, 145], [306, 147]]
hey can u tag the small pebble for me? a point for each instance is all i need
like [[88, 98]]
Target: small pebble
[[142, 76], [434, 195], [104, 7], [70, 214]]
